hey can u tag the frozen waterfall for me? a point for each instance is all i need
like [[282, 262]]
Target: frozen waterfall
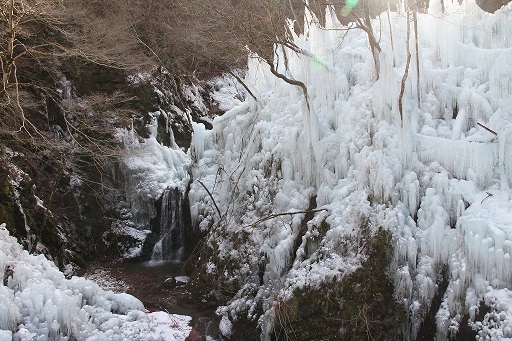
[[437, 181]]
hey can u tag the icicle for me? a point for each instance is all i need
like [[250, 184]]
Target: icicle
[[460, 157], [403, 284], [500, 78], [504, 147]]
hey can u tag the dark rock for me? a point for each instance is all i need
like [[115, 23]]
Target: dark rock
[[8, 273], [89, 78], [170, 283], [195, 336], [491, 6]]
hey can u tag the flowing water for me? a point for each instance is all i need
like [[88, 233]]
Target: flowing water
[[171, 228], [153, 282]]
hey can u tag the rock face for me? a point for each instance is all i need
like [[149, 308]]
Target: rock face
[[180, 101], [44, 212], [89, 78], [491, 6], [163, 93], [63, 203]]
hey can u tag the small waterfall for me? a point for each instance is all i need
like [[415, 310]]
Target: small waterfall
[[171, 241]]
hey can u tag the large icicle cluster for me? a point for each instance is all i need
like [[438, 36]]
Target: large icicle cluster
[[146, 169], [38, 303], [149, 168], [438, 180]]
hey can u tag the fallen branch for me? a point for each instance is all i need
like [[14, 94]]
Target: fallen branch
[[275, 215], [241, 81]]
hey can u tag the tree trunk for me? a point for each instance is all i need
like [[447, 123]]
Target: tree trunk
[[406, 72], [7, 58], [374, 45]]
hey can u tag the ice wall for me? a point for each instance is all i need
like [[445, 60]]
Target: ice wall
[[149, 168], [437, 179]]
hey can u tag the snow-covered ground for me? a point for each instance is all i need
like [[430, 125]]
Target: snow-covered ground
[[37, 302], [437, 180]]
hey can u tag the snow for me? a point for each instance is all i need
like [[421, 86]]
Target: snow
[[225, 326], [38, 302], [106, 281], [496, 324], [437, 180], [226, 92]]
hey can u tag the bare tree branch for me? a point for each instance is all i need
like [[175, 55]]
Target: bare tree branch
[[406, 71], [275, 215], [211, 197]]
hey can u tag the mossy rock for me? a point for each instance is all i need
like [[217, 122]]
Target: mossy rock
[[358, 307], [42, 211], [9, 211]]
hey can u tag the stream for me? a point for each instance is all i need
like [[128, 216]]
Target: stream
[[146, 281], [158, 283]]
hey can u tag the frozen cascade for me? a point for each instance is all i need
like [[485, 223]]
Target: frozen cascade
[[171, 241], [439, 181], [146, 170]]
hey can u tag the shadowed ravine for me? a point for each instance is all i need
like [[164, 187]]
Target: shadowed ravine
[[159, 282]]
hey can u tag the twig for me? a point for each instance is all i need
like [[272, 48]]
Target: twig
[[211, 197], [488, 195], [275, 215], [489, 130]]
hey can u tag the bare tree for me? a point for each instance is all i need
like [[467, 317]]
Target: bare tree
[[219, 36], [39, 37]]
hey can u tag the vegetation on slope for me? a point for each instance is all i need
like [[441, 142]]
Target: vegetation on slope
[[360, 306]]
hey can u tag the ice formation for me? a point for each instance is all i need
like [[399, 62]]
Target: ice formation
[[437, 179], [37, 302], [147, 170]]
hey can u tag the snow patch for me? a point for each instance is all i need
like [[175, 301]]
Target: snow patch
[[38, 302]]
